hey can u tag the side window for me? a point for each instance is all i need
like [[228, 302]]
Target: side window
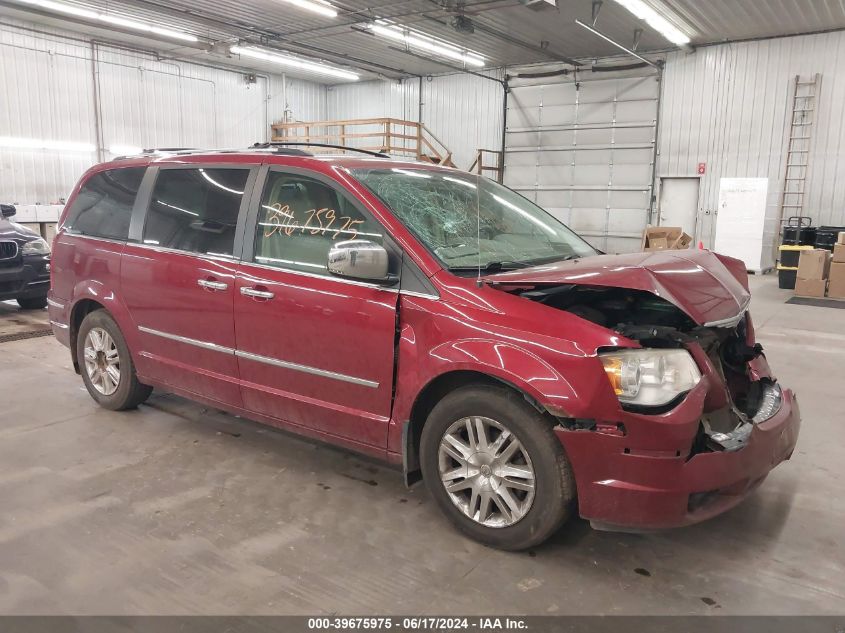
[[196, 210], [300, 218], [103, 207]]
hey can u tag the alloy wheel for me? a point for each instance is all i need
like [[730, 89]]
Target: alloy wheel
[[102, 361], [486, 471]]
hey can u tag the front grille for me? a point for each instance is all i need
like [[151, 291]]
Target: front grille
[[8, 249]]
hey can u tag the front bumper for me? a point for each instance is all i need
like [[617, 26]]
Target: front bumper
[[27, 278], [622, 485]]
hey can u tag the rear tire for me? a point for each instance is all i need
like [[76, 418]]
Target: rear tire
[[510, 483], [106, 364], [32, 303]]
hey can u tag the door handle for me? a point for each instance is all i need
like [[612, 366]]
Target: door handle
[[212, 285], [254, 292]]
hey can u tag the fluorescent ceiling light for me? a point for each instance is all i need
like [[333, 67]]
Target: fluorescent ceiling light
[[294, 62], [88, 14], [419, 41], [655, 21], [317, 6], [34, 143]]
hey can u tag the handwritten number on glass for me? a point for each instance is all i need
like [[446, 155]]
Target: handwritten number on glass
[[318, 221]]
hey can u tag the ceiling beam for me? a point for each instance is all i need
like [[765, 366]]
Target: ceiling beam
[[510, 39], [267, 38], [610, 40]]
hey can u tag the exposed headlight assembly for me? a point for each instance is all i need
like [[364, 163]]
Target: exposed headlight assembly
[[650, 377], [36, 247], [770, 402]]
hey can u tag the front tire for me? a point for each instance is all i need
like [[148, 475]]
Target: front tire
[[496, 468], [106, 364], [32, 303]]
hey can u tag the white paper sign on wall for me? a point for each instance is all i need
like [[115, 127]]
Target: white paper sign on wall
[[741, 221]]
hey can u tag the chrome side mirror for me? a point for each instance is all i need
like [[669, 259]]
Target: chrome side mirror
[[360, 259], [8, 210]]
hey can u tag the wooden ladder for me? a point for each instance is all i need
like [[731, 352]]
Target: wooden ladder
[[804, 106]]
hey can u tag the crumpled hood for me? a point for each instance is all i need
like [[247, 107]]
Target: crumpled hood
[[708, 287]]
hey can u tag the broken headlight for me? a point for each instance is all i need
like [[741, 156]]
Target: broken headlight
[[770, 401], [650, 377]]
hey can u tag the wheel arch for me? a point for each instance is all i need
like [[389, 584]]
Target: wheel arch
[[431, 394], [88, 297], [80, 310]]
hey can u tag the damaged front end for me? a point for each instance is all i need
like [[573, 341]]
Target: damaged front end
[[700, 419], [688, 418], [742, 392]]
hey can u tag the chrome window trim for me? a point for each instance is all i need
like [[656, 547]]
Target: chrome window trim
[[329, 277], [17, 249], [731, 321], [214, 347], [262, 359], [166, 249], [307, 369], [70, 233]]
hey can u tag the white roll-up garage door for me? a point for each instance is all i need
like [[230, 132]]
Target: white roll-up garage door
[[585, 152]]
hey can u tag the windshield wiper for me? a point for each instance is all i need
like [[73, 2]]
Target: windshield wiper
[[491, 267]]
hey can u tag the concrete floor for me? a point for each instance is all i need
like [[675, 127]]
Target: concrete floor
[[174, 509]]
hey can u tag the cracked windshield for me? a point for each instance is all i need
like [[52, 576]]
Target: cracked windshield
[[470, 221]]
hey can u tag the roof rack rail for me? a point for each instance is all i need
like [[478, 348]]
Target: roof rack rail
[[283, 144], [153, 150]]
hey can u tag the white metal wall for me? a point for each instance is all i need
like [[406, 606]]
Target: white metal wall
[[46, 94], [728, 106], [47, 80], [463, 111], [584, 151]]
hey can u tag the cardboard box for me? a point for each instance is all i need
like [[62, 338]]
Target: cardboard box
[[810, 287], [839, 253], [837, 281], [661, 238], [841, 239], [48, 231], [814, 264]]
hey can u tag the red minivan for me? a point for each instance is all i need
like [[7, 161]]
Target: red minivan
[[428, 317]]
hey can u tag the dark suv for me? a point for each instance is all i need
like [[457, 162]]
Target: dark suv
[[24, 263], [431, 318]]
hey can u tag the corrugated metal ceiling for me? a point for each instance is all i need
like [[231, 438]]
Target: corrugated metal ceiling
[[506, 32]]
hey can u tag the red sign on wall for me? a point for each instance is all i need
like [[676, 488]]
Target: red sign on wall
[[702, 169]]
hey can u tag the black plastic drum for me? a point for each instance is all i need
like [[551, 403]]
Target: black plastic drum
[[826, 236], [797, 231]]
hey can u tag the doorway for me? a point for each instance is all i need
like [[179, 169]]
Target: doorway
[[679, 202]]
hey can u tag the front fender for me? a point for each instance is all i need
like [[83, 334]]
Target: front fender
[[510, 363], [506, 362]]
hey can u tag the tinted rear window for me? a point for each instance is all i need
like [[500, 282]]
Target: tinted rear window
[[103, 207], [196, 210]]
